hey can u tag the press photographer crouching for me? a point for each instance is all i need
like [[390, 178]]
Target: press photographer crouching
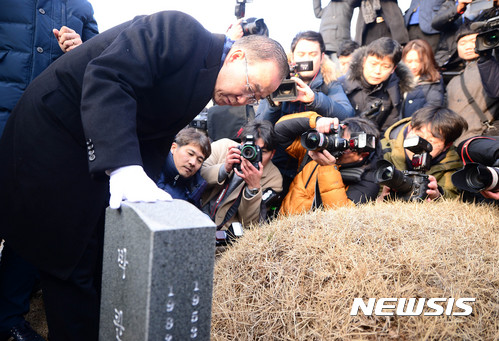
[[238, 175], [480, 174], [438, 126], [337, 161]]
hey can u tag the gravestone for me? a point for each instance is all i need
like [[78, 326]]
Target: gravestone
[[157, 273]]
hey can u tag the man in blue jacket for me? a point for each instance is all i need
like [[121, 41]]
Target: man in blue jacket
[[95, 128], [181, 176], [49, 29]]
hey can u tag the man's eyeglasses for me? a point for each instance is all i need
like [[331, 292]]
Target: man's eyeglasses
[[251, 96]]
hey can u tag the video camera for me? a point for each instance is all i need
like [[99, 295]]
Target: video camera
[[287, 90], [407, 185], [481, 165], [251, 25], [251, 152], [489, 39], [335, 143]]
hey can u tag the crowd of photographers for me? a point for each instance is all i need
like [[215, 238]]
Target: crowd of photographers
[[409, 111], [383, 120]]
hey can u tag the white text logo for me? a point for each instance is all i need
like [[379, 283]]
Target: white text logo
[[414, 306]]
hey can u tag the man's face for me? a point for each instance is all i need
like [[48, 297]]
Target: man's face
[[425, 132], [188, 159], [344, 63], [305, 51], [377, 70], [466, 47], [239, 80], [266, 154], [348, 156]]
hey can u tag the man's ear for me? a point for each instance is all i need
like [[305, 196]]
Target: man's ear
[[235, 55], [173, 148]]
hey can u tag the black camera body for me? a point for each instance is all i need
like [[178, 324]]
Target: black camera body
[[251, 152], [287, 89], [335, 144], [489, 39], [407, 185]]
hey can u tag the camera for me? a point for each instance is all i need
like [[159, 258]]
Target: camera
[[335, 143], [200, 121], [481, 165], [489, 39], [250, 151], [475, 177], [287, 90], [407, 185], [224, 238], [254, 26], [373, 109]]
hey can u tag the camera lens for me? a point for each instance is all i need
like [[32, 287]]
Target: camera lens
[[312, 140], [249, 152], [491, 39]]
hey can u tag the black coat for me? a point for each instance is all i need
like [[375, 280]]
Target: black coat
[[390, 92], [117, 100]]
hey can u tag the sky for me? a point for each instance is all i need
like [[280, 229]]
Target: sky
[[284, 18]]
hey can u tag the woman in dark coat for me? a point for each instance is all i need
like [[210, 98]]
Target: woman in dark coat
[[429, 90]]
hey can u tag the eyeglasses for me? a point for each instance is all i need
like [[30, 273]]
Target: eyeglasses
[[251, 96]]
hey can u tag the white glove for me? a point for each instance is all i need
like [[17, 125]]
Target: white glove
[[132, 183]]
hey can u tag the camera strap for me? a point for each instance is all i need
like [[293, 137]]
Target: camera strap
[[232, 210], [464, 148], [471, 101]]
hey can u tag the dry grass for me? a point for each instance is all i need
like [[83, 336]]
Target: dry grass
[[296, 278]]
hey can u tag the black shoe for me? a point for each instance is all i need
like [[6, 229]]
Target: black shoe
[[24, 332]]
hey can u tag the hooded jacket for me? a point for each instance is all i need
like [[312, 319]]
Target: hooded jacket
[[390, 91]]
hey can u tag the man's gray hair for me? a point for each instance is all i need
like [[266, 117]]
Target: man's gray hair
[[261, 48]]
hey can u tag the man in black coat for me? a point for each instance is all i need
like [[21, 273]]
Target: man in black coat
[[96, 126]]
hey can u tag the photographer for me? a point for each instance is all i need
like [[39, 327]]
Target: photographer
[[440, 127], [181, 176], [328, 180], [317, 90], [465, 92], [235, 184]]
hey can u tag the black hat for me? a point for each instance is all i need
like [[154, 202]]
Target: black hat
[[464, 30]]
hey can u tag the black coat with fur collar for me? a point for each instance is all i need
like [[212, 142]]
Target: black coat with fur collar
[[390, 92]]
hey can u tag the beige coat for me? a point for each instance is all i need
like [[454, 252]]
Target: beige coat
[[249, 209]]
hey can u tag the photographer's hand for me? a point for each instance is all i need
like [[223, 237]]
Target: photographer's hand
[[232, 158], [461, 5], [433, 192], [490, 195], [323, 158], [235, 31], [305, 93], [250, 174], [323, 124]]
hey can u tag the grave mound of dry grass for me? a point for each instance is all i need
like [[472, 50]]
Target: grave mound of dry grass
[[296, 278]]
